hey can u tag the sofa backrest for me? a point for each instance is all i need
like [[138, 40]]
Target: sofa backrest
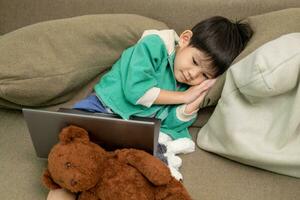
[[177, 14]]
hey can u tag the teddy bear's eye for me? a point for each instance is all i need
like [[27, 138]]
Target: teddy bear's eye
[[68, 164]]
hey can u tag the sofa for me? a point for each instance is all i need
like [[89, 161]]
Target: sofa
[[206, 175]]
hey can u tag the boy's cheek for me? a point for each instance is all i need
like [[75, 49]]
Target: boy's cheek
[[176, 75]]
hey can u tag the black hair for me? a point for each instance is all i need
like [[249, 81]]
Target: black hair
[[221, 39]]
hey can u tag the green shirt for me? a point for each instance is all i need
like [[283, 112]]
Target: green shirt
[[140, 68]]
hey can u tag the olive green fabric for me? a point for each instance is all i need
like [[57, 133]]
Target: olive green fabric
[[266, 27], [206, 176], [47, 63], [177, 14]]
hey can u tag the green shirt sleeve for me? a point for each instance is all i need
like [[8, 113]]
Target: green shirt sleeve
[[174, 126], [139, 67]]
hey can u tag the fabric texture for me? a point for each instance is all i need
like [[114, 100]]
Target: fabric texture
[[179, 15], [257, 120], [167, 148], [91, 104], [206, 176], [142, 67], [149, 97], [171, 151], [47, 63], [266, 28]]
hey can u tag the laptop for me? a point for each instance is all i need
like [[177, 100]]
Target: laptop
[[108, 130]]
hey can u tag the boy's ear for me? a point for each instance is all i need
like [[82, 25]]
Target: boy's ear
[[73, 134], [185, 37]]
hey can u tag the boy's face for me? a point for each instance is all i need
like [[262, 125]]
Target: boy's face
[[191, 66]]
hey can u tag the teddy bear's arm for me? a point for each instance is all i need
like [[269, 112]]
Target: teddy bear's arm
[[48, 181], [152, 168], [174, 190]]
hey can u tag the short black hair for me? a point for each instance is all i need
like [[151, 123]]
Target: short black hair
[[221, 39]]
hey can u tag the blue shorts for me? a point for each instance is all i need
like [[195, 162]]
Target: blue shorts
[[91, 104]]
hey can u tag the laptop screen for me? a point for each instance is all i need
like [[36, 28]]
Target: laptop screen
[[109, 131]]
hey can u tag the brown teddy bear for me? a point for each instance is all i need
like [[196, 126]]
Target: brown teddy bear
[[85, 168]]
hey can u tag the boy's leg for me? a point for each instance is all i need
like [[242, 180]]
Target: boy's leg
[[60, 194]]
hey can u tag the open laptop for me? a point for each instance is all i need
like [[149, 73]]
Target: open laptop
[[107, 130]]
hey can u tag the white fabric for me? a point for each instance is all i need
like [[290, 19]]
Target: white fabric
[[164, 138], [174, 161], [175, 173], [180, 113], [168, 36], [174, 147], [257, 119], [181, 145], [149, 97]]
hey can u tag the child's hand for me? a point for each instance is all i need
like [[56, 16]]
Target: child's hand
[[194, 105], [195, 91]]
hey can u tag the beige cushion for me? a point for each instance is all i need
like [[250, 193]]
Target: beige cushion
[[47, 63], [266, 27], [257, 119]]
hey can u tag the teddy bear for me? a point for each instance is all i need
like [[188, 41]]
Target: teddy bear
[[92, 173]]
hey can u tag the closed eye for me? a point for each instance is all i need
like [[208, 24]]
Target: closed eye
[[205, 76], [195, 62]]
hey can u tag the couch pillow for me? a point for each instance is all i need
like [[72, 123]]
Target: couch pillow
[[47, 63], [257, 119], [266, 27]]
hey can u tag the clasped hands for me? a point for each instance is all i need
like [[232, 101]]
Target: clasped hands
[[195, 95]]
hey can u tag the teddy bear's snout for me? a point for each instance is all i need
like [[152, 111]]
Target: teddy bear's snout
[[73, 182]]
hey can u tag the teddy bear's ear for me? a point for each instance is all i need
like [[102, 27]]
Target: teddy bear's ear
[[48, 181], [73, 134]]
